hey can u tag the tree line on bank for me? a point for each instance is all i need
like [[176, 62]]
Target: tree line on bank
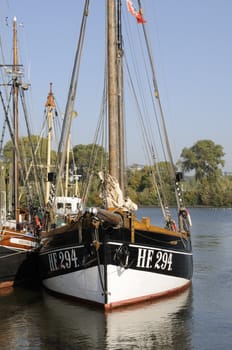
[[204, 183], [202, 164]]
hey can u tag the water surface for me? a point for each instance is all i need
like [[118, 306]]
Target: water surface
[[200, 318]]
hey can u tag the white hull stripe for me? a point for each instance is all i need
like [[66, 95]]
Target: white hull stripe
[[154, 248], [118, 244], [23, 242]]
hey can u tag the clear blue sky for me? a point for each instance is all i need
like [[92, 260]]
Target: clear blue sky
[[193, 46]]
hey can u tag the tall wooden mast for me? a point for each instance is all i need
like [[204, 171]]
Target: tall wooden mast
[[50, 106], [112, 89], [115, 92], [120, 94], [15, 83]]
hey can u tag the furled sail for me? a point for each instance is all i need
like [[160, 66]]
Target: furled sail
[[111, 192]]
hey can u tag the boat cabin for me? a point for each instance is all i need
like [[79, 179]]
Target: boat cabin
[[67, 205]]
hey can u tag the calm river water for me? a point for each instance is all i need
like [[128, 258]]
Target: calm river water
[[200, 318]]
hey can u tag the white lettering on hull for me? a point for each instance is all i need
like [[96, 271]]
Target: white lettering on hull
[[151, 259], [63, 259]]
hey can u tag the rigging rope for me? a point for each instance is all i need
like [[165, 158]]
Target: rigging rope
[[100, 138], [159, 116], [2, 137], [156, 90], [38, 177], [71, 98]]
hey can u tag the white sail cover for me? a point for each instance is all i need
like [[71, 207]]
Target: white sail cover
[[111, 193]]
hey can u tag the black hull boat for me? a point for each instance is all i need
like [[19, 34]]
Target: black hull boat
[[115, 266], [106, 255], [18, 266], [18, 255]]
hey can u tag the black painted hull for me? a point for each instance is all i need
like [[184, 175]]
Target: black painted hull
[[111, 270], [18, 267]]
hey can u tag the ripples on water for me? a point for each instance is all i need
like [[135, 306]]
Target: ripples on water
[[200, 318], [41, 321]]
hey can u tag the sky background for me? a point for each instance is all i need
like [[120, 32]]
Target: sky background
[[193, 54]]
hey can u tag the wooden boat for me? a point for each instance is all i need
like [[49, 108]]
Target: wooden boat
[[107, 255], [19, 233]]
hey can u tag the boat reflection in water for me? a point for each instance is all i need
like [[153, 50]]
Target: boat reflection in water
[[32, 320], [6, 291], [150, 325], [161, 324]]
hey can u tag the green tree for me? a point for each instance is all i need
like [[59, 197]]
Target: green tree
[[39, 146], [141, 185], [205, 157], [25, 149], [89, 158]]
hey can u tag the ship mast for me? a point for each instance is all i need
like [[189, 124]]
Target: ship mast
[[112, 89], [69, 110], [120, 100], [50, 106], [115, 94], [15, 123]]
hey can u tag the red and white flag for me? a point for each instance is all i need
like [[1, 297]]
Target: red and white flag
[[134, 12]]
